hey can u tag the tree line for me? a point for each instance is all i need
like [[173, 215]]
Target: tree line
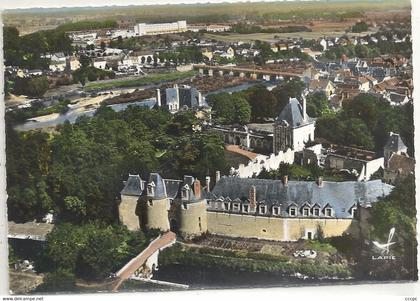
[[77, 172]]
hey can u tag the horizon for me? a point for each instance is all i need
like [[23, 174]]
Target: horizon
[[25, 5]]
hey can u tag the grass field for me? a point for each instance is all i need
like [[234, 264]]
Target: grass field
[[232, 37], [134, 82]]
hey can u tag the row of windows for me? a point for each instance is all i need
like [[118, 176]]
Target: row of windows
[[275, 210]]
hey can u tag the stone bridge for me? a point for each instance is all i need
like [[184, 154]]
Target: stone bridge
[[253, 73], [148, 255]]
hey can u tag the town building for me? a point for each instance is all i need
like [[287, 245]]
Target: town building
[[255, 137], [179, 97], [362, 164], [293, 128], [279, 210], [322, 85], [143, 29], [394, 145]]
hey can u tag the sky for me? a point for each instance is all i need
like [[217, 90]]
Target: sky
[[10, 4]]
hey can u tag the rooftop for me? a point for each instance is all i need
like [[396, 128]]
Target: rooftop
[[341, 196]]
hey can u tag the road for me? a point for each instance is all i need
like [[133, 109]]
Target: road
[[134, 264]]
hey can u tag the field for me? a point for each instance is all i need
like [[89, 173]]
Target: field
[[232, 37], [133, 82], [34, 19]]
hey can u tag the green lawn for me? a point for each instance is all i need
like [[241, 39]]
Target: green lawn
[[134, 82]]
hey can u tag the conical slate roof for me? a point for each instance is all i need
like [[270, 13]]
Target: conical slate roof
[[133, 186]]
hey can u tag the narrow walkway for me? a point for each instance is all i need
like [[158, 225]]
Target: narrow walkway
[[134, 264], [236, 149]]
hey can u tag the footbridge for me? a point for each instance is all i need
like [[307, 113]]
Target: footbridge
[[148, 256], [253, 73]]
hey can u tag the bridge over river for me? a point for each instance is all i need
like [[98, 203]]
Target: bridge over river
[[151, 252], [254, 73]]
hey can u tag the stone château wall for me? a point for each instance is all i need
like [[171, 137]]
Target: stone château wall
[[255, 166], [276, 228]]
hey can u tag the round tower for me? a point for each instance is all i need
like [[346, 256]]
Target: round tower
[[192, 210], [156, 204], [127, 207]]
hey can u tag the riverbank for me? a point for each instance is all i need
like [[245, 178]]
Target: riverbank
[[125, 83]]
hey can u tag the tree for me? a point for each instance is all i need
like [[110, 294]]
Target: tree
[[285, 91], [91, 251], [317, 104], [34, 86], [360, 27], [396, 210], [365, 107], [357, 134], [262, 103], [330, 128], [75, 208], [223, 107], [242, 109]]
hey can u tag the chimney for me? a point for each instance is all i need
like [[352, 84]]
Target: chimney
[[304, 107], [207, 184], [158, 99], [197, 189], [320, 181], [217, 176], [285, 180], [253, 198]]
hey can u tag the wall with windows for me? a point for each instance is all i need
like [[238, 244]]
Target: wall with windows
[[276, 228]]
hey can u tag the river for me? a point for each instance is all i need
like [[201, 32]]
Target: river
[[73, 114]]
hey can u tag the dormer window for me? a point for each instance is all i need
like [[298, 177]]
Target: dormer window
[[263, 209], [185, 191], [353, 211], [305, 211], [276, 210], [226, 206], [245, 208], [292, 211], [236, 207], [328, 212], [315, 211], [151, 189]]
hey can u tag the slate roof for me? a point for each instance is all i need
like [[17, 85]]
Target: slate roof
[[341, 196], [395, 143], [172, 187], [293, 114], [164, 188], [133, 186], [160, 187]]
